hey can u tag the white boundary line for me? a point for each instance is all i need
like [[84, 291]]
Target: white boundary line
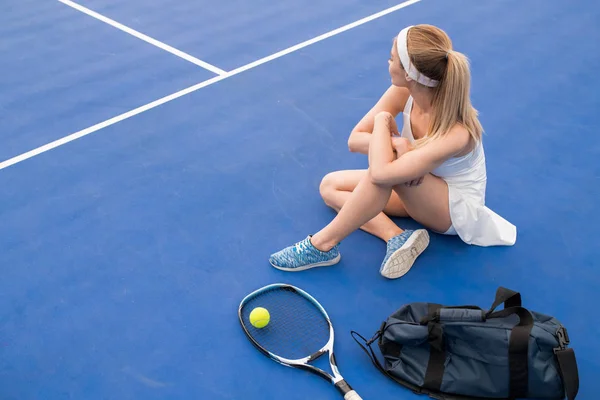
[[183, 92], [326, 35], [145, 38]]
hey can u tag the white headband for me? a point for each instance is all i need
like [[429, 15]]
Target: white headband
[[410, 69]]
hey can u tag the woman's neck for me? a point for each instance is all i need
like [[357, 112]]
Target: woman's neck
[[423, 97]]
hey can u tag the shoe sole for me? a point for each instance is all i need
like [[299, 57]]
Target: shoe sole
[[402, 260], [309, 266]]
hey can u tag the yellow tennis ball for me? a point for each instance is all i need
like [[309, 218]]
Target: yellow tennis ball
[[259, 317]]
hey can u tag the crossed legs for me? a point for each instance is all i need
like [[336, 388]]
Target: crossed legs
[[362, 204]]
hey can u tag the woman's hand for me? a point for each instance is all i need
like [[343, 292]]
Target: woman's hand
[[415, 182], [401, 145]]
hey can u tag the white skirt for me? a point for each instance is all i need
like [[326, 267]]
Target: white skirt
[[474, 222]]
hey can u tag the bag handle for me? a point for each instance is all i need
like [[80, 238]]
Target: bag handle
[[567, 364], [525, 316], [509, 297], [437, 312], [518, 350], [460, 314]]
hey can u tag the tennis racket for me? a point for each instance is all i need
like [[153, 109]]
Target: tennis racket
[[299, 331]]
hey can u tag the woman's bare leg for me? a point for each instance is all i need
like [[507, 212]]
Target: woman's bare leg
[[336, 188], [365, 202], [426, 203]]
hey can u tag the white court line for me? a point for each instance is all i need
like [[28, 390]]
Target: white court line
[[145, 38], [325, 36], [183, 92]]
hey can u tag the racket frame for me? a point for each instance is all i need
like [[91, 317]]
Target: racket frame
[[302, 363]]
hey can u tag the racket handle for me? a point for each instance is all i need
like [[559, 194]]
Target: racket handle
[[352, 395]]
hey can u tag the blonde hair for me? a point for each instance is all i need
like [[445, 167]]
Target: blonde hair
[[430, 51]]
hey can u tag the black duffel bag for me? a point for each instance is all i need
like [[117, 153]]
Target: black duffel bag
[[465, 352]]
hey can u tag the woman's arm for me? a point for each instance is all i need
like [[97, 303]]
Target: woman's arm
[[387, 170], [392, 101], [381, 149]]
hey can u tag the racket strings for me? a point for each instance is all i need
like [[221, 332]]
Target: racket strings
[[297, 328]]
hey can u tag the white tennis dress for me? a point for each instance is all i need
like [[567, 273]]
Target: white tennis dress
[[466, 177]]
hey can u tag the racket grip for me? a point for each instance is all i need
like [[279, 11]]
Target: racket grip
[[352, 395]]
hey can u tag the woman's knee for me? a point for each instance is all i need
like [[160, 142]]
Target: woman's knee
[[328, 187]]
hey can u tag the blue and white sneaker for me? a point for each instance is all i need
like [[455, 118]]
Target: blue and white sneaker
[[303, 255], [402, 251]]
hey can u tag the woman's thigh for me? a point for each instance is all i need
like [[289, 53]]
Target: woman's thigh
[[427, 203], [347, 180]]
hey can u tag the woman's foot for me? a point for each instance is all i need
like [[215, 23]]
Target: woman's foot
[[302, 256], [402, 251]]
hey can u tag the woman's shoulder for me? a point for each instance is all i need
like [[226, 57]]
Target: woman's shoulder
[[461, 140], [455, 142]]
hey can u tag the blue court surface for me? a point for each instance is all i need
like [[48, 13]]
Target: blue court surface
[[126, 249]]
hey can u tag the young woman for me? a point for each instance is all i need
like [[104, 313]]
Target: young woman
[[433, 171]]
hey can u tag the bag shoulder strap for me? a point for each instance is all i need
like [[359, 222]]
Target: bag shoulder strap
[[567, 365]]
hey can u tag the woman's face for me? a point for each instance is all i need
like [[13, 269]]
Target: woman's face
[[397, 73]]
